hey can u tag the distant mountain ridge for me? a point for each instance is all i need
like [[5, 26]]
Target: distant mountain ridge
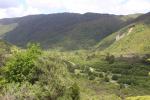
[[62, 30]]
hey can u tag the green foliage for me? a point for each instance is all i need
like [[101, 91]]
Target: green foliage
[[139, 98], [101, 75], [146, 59], [4, 48], [128, 80], [2, 59], [91, 77], [121, 86], [75, 92], [56, 83], [32, 74], [54, 76], [115, 77], [110, 58], [22, 65], [17, 91], [106, 78]]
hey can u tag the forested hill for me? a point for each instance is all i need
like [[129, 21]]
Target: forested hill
[[61, 30]]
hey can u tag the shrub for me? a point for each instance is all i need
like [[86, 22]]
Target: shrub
[[71, 66], [110, 58], [127, 80], [25, 91], [29, 76], [55, 77], [115, 77], [96, 74], [146, 59], [75, 92], [21, 66], [106, 79], [2, 59], [91, 77], [101, 75], [121, 86]]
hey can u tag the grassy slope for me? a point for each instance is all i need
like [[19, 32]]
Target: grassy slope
[[136, 42], [131, 16], [136, 38], [7, 28]]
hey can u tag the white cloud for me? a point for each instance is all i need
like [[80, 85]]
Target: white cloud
[[108, 6], [18, 12], [134, 6], [9, 3], [99, 6], [2, 13], [14, 8], [83, 6], [43, 4]]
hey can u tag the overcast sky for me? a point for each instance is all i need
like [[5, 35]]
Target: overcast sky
[[17, 8]]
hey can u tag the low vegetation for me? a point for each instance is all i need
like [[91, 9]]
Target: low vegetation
[[29, 74], [78, 75]]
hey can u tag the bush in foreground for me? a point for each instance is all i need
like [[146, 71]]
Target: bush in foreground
[[21, 66], [29, 74]]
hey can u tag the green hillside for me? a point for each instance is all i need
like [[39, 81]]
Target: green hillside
[[134, 38], [6, 28], [130, 16], [62, 30]]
